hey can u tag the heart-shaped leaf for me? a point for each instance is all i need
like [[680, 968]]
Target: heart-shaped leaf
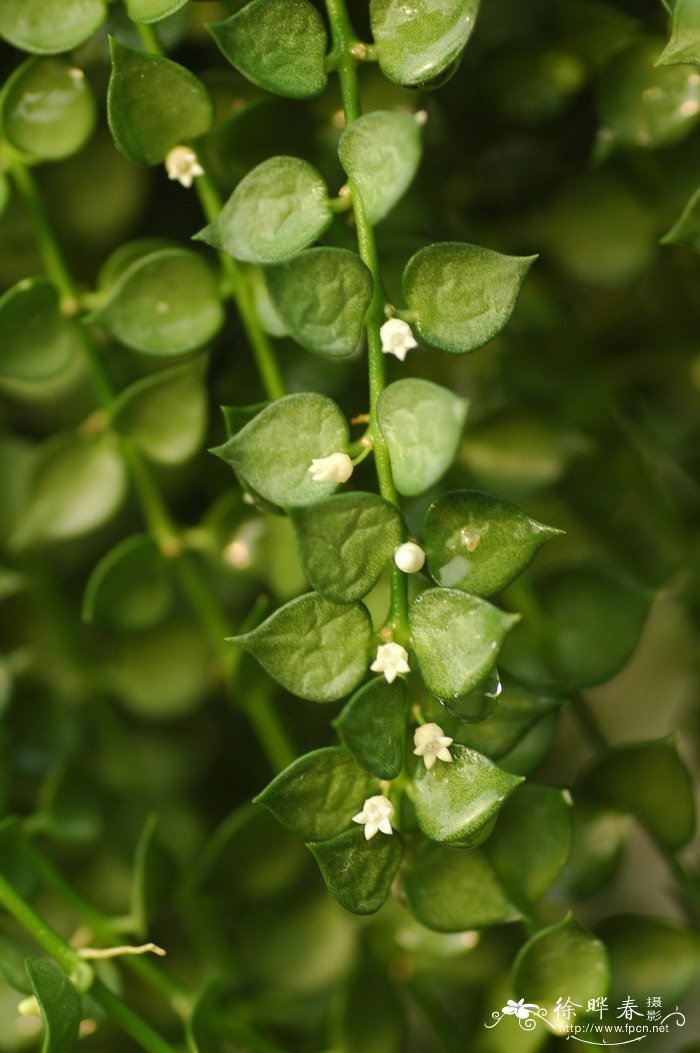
[[318, 794], [456, 638], [359, 873], [153, 104], [450, 890], [277, 44], [455, 801], [47, 109], [322, 296], [462, 295], [380, 152], [346, 542], [684, 45], [152, 10], [36, 340], [166, 303], [596, 853], [130, 588], [649, 780], [274, 451], [59, 1003], [48, 27], [373, 726], [421, 423], [314, 648], [650, 954], [280, 208], [417, 43], [477, 542], [165, 413]]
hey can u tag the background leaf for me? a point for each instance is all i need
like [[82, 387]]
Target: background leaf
[[50, 26], [166, 413], [47, 109], [152, 10], [130, 587], [59, 1002], [36, 340]]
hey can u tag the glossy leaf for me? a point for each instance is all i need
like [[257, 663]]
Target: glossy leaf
[[418, 43], [322, 296], [477, 542], [278, 44], [684, 45], [686, 229], [47, 109], [153, 104], [47, 27], [152, 880], [36, 340], [152, 10], [359, 873], [645, 105], [649, 780], [531, 841], [455, 801], [166, 413], [421, 423], [318, 794], [76, 484], [274, 451], [563, 961], [516, 713], [280, 208], [60, 1005], [346, 542], [373, 726], [590, 618], [130, 588], [381, 152], [650, 954], [166, 303], [316, 649], [456, 638], [451, 890]]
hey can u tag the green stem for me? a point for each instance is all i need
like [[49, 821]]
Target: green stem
[[344, 41], [42, 932], [129, 1021]]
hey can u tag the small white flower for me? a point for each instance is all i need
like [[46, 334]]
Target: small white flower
[[391, 660], [182, 164], [431, 744], [409, 557], [334, 469], [377, 813], [397, 338]]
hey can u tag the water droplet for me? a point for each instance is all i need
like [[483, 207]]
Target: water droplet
[[478, 704]]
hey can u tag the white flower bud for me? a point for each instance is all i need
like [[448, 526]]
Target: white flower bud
[[431, 744], [334, 469], [391, 660], [409, 557], [377, 813], [182, 164], [397, 338]]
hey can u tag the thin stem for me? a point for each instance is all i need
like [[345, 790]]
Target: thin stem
[[42, 932], [129, 1021], [345, 41]]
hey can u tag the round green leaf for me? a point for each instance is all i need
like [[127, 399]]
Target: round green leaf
[[563, 961], [36, 340], [274, 451], [456, 638], [322, 296], [589, 621], [455, 801], [418, 42], [462, 295], [318, 794], [346, 542], [280, 208], [119, 261], [166, 303], [531, 841], [130, 588], [152, 10], [47, 27], [684, 45], [153, 104], [650, 956], [59, 1003], [316, 649], [373, 726], [478, 542], [650, 780], [645, 105], [47, 109], [381, 152], [166, 413], [450, 890], [597, 849], [278, 44], [76, 484], [421, 423], [359, 873]]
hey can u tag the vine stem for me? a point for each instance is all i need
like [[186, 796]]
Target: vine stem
[[345, 46]]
